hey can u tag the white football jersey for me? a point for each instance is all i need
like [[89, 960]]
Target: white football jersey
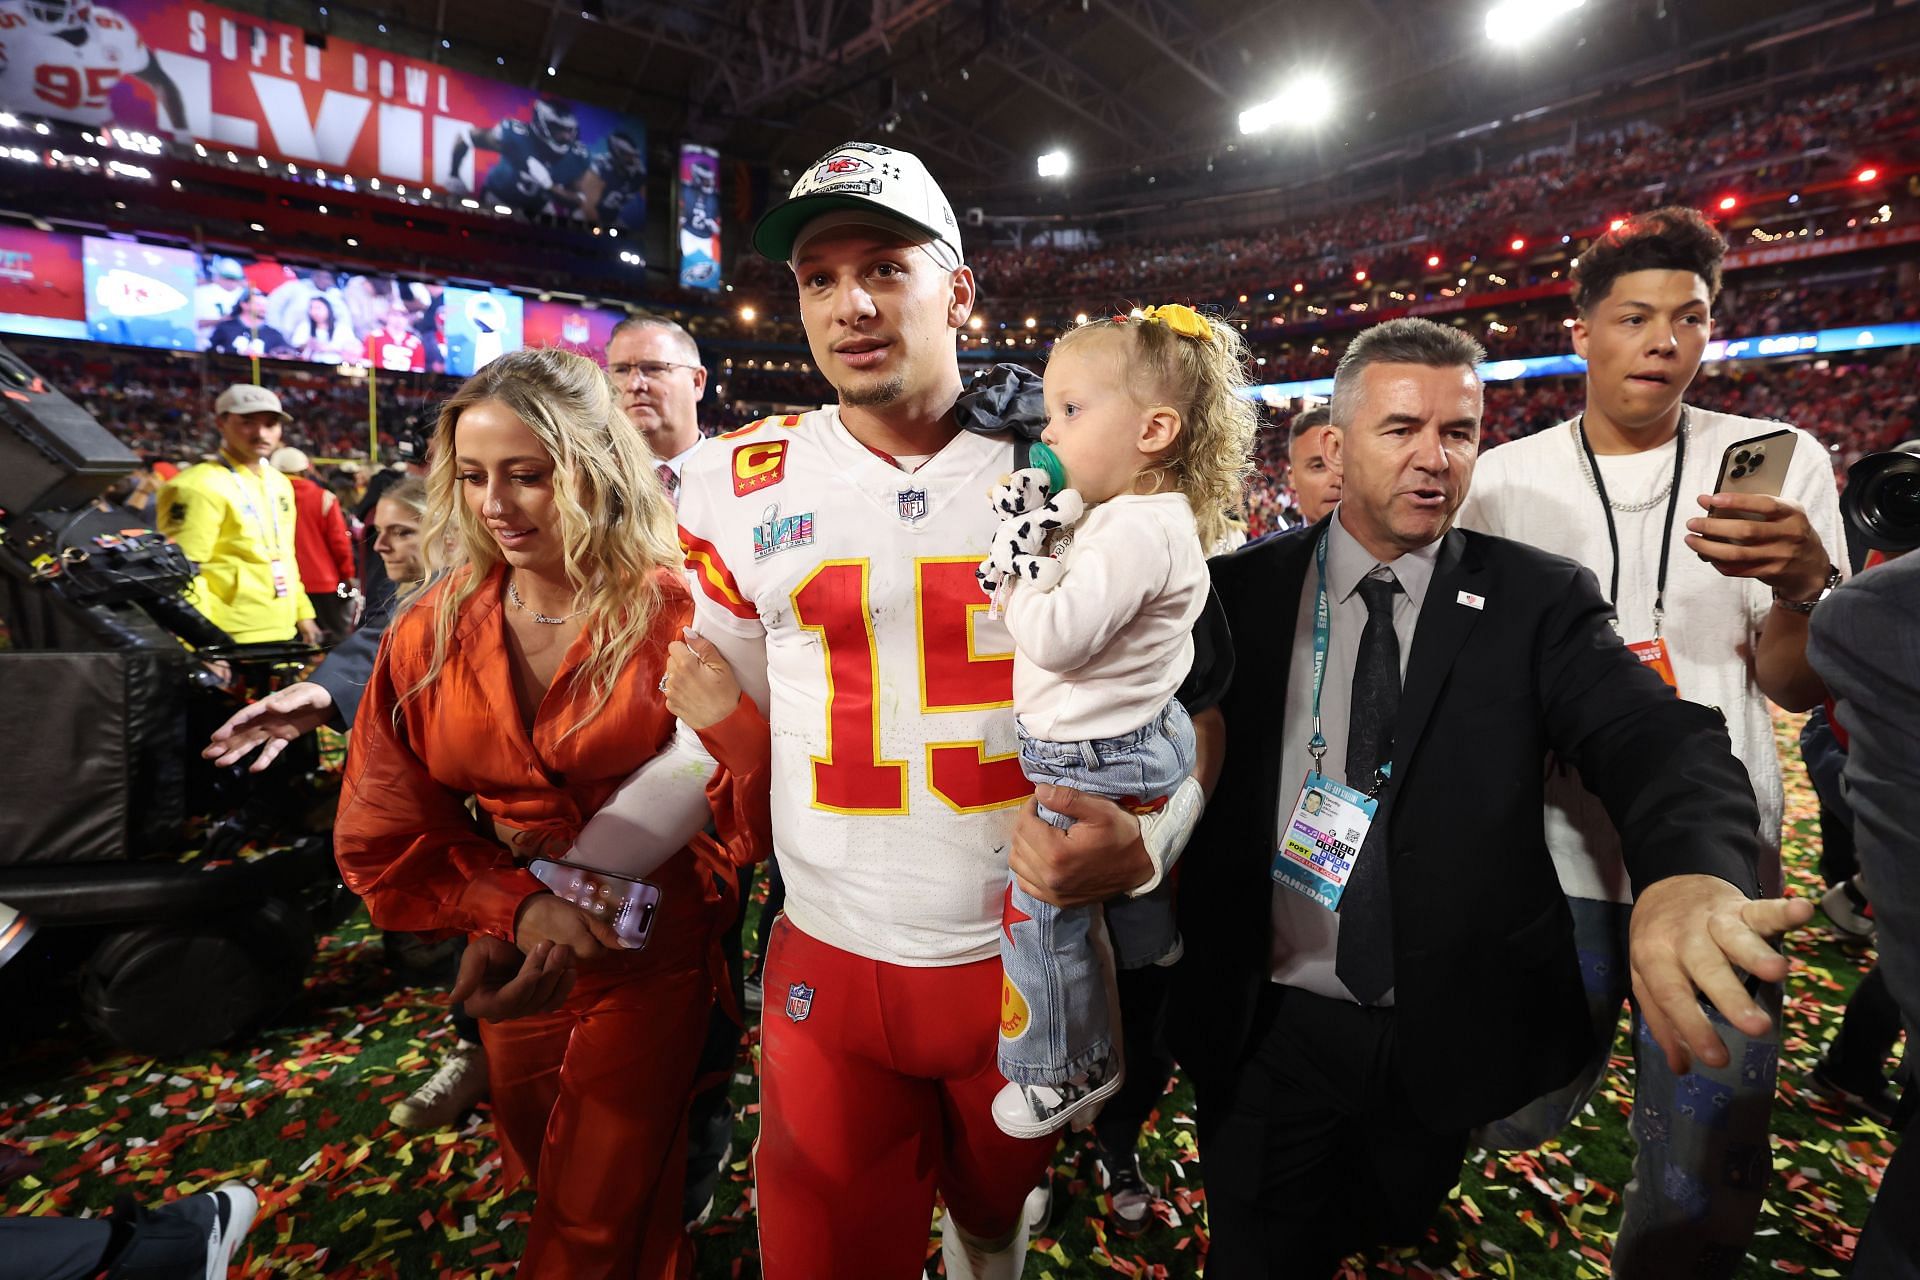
[[66, 70], [896, 773]]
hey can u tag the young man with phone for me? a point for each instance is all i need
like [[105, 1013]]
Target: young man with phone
[[1714, 536]]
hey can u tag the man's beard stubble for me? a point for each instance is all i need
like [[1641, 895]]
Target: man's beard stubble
[[877, 395]]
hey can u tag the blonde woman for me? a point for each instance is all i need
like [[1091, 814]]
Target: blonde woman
[[528, 675]]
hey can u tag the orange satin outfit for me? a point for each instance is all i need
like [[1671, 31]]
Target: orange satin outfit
[[591, 1098]]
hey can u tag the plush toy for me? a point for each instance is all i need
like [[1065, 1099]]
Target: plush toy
[[1034, 512]]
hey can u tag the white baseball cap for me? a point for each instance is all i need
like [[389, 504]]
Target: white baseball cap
[[244, 397], [891, 188], [288, 460]]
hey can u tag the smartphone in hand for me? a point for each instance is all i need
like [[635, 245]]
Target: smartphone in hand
[[1758, 465], [623, 904]]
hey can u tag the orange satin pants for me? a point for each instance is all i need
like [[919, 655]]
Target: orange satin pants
[[591, 1100]]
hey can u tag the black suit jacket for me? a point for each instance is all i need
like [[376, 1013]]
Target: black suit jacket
[[1487, 989]]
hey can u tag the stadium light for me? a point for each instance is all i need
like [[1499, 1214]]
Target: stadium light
[[1080, 318], [1305, 102], [1616, 224], [1728, 204], [975, 323], [1514, 22], [8, 120], [1360, 276], [748, 314], [1298, 287], [1433, 259], [1866, 175], [1518, 245], [1054, 164], [1033, 322]]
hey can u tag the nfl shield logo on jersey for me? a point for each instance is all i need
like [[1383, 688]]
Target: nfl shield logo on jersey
[[913, 504], [799, 1002]]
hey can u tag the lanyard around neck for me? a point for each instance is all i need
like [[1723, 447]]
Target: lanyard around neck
[[263, 514], [1666, 529]]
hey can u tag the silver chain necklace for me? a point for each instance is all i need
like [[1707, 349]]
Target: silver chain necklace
[[1624, 508], [513, 594]]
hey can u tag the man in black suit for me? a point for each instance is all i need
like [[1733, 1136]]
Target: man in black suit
[[1340, 1058]]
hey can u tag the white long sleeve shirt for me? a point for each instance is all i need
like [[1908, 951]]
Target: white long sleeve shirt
[[1100, 654]]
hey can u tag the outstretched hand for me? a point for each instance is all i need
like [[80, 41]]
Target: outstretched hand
[[270, 724], [1688, 936]]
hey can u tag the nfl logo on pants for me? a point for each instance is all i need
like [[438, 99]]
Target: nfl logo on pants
[[799, 1002]]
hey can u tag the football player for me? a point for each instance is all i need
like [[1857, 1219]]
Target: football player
[[540, 164], [835, 553], [617, 177], [63, 58]]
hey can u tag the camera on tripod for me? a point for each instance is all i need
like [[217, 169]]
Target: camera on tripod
[[1882, 499], [157, 876]]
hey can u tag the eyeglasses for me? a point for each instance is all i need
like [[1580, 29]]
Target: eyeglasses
[[651, 370]]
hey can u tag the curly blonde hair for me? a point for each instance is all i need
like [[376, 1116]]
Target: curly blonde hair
[[616, 524], [1202, 378]]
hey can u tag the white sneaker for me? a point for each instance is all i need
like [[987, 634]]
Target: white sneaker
[[1849, 911], [449, 1093], [969, 1259], [1127, 1192], [1035, 1110], [1039, 1206], [195, 1235]]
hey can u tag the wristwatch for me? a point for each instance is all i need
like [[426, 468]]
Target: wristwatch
[[1806, 606]]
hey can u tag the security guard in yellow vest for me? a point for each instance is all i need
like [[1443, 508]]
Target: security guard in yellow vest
[[233, 516]]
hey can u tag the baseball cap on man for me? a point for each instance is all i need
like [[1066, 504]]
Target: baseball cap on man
[[287, 460], [244, 397], [891, 188]]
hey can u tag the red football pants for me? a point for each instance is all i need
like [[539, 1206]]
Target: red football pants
[[879, 1094], [591, 1099]]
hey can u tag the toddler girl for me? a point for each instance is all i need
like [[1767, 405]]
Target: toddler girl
[[1146, 423]]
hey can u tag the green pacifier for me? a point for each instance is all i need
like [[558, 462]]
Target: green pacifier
[[1038, 455]]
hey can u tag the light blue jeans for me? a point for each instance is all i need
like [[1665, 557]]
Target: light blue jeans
[[1062, 1023], [1701, 1157]]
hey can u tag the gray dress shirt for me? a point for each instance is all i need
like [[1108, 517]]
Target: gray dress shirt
[[1306, 935]]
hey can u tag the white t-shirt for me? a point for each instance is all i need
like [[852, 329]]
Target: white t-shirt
[[896, 770], [1535, 490], [1100, 654]]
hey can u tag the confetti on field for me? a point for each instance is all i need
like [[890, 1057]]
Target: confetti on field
[[302, 1114]]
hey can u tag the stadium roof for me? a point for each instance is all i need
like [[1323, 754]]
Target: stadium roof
[[1131, 89]]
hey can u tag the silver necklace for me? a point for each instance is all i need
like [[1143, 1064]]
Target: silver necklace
[[1624, 508], [513, 594]]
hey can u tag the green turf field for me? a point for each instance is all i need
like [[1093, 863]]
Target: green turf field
[[301, 1111]]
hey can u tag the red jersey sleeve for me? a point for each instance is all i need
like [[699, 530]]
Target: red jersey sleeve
[[333, 523]]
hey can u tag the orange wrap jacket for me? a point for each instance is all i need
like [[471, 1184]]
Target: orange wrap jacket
[[404, 838]]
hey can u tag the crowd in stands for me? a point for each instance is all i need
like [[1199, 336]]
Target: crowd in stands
[[1545, 194]]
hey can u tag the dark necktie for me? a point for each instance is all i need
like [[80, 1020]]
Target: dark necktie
[[1364, 961], [670, 482]]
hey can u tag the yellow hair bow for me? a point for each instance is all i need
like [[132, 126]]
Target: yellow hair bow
[[1183, 320]]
